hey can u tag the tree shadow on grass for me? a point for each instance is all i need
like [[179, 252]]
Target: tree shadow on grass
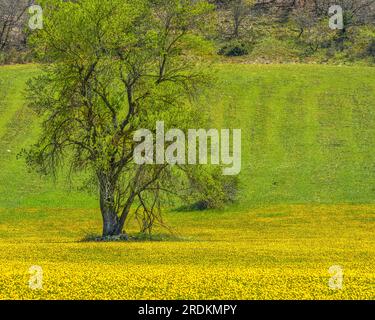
[[137, 237]]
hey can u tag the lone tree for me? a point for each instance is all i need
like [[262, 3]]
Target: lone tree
[[110, 68]]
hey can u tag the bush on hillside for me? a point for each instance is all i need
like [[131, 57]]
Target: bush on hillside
[[234, 48]]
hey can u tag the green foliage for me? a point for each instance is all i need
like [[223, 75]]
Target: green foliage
[[234, 48], [363, 43], [110, 69], [210, 189], [371, 48]]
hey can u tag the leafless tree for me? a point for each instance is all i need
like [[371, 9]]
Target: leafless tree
[[12, 18], [234, 14], [356, 11]]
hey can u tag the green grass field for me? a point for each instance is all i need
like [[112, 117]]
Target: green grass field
[[307, 201]]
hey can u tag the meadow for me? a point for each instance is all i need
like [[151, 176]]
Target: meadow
[[306, 202]]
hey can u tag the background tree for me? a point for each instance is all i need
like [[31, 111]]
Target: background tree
[[112, 68], [12, 18], [235, 14]]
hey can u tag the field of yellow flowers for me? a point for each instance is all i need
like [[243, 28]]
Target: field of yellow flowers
[[280, 252]]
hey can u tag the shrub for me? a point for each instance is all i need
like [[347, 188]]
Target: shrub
[[371, 48], [234, 49]]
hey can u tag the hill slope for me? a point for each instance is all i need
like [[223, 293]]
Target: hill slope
[[308, 131], [308, 135]]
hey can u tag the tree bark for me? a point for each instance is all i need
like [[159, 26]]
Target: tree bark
[[110, 223], [107, 207], [125, 213]]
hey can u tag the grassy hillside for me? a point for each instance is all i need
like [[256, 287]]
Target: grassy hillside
[[18, 129], [306, 202], [308, 135], [308, 132]]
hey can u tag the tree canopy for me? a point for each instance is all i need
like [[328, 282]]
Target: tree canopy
[[110, 68]]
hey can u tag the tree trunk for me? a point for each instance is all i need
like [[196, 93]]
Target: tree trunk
[[107, 207], [113, 220], [236, 27], [110, 223]]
